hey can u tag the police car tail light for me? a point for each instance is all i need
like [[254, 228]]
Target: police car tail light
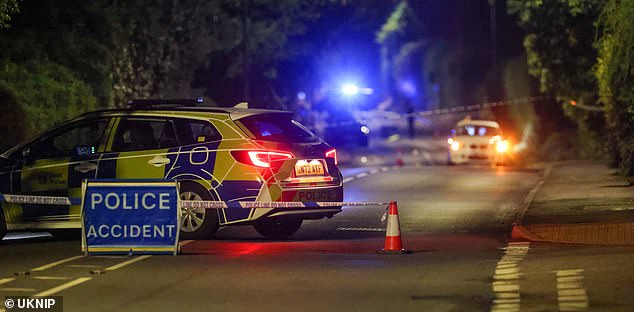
[[332, 154], [260, 158]]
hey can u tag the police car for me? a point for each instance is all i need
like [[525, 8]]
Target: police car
[[473, 141], [228, 154]]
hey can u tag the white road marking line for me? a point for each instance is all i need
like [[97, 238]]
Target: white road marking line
[[126, 263], [507, 266], [361, 229], [570, 279], [573, 306], [50, 278], [573, 298], [576, 273], [506, 280], [571, 294], [7, 280], [507, 295], [508, 276], [62, 287], [506, 288], [18, 289], [348, 179], [361, 175], [569, 285], [185, 242], [507, 271], [54, 264], [502, 301]]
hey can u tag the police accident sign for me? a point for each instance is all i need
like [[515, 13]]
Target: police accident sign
[[131, 217]]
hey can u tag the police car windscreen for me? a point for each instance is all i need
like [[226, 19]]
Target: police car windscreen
[[277, 127], [474, 130]]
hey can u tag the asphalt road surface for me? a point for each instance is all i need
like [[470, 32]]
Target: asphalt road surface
[[455, 220]]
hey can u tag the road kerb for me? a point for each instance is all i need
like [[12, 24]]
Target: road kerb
[[580, 233]]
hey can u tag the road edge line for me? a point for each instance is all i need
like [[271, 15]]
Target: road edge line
[[528, 200]]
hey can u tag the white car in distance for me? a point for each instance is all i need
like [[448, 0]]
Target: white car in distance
[[477, 141]]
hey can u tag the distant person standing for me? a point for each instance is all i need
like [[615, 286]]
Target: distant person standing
[[409, 109]]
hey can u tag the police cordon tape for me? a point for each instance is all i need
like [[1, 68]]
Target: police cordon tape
[[426, 113], [39, 200], [65, 201], [256, 205]]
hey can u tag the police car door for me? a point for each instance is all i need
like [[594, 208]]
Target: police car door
[[56, 164], [139, 149]]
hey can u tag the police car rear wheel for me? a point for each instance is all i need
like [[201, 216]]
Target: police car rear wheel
[[278, 228], [197, 223]]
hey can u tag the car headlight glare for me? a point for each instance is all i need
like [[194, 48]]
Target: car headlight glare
[[455, 146], [502, 146]]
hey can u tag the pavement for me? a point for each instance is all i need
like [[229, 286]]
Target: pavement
[[579, 202]]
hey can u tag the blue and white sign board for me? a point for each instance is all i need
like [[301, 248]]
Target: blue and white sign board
[[130, 217]]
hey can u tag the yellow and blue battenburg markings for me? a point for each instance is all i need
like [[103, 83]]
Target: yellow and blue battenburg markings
[[130, 217]]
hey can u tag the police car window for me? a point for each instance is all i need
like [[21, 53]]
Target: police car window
[[277, 128], [135, 134], [64, 142], [195, 131]]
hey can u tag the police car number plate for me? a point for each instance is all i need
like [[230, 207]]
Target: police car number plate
[[309, 168]]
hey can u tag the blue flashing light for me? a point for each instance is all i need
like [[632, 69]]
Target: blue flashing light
[[350, 89], [199, 99]]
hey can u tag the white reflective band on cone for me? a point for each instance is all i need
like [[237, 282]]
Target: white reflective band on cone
[[393, 228]]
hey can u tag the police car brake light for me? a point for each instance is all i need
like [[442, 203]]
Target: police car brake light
[[260, 158], [332, 154]]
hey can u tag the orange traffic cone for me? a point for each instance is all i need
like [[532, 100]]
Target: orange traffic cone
[[393, 243]]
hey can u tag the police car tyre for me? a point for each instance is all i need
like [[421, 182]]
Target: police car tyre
[[278, 228], [197, 223], [3, 224]]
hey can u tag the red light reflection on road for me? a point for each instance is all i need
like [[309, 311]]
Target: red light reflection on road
[[235, 249]]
